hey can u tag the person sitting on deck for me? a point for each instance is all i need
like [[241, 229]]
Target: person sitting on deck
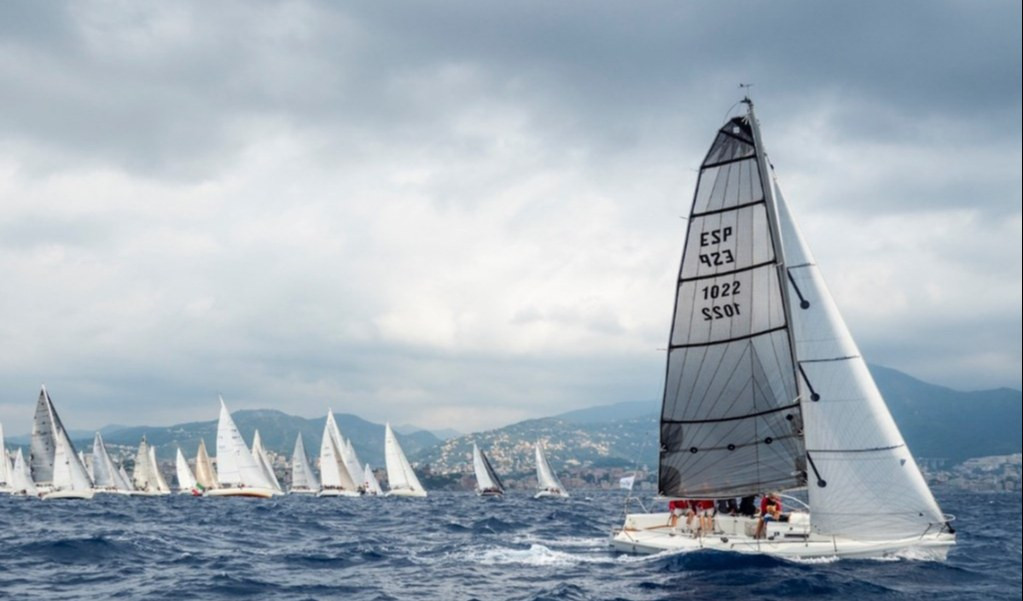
[[770, 511], [677, 507], [705, 510], [747, 506]]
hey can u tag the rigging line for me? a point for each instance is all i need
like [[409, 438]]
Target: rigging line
[[829, 359], [803, 303]]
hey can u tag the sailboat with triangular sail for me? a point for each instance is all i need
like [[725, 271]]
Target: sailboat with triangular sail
[[401, 480], [488, 484], [370, 483], [6, 468], [303, 480], [146, 476], [105, 477], [765, 389], [186, 479], [205, 475], [547, 481], [335, 479], [55, 456], [238, 473], [263, 459], [21, 480]]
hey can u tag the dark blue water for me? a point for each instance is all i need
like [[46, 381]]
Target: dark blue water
[[450, 546]]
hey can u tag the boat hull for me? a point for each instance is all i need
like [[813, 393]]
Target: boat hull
[[650, 533], [406, 493], [68, 494], [336, 492], [248, 491], [302, 491], [546, 494]]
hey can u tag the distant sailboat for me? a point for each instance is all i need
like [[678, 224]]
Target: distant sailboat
[[146, 476], [67, 476], [401, 480], [488, 484], [186, 480], [766, 390], [123, 480], [303, 480], [370, 483], [238, 473], [263, 459], [205, 476], [5, 464], [21, 479], [335, 479], [105, 477], [546, 480]]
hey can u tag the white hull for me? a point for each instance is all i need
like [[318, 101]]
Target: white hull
[[68, 494], [649, 533], [248, 491], [406, 493], [302, 491], [336, 492], [149, 493], [104, 491], [546, 494]]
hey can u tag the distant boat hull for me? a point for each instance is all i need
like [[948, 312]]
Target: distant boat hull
[[547, 494], [248, 491], [489, 493], [337, 492], [406, 493], [106, 491], [302, 491], [68, 494], [649, 533]]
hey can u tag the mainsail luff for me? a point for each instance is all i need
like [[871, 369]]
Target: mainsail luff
[[730, 419], [857, 458]]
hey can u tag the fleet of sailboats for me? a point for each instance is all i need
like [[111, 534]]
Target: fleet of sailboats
[[766, 391]]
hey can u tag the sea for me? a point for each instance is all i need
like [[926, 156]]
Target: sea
[[450, 546]]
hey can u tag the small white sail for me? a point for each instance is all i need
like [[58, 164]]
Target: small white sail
[[302, 477], [142, 476], [21, 479], [161, 483], [487, 481], [104, 472], [401, 480], [263, 459], [547, 480], [186, 481], [235, 465], [205, 476], [370, 483], [334, 475]]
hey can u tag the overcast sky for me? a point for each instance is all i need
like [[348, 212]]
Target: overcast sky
[[467, 214]]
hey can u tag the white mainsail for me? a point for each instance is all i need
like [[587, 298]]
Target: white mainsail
[[260, 455], [44, 441], [236, 468], [161, 483], [21, 479], [143, 477], [104, 472], [205, 476], [334, 475], [186, 480], [351, 459], [856, 456], [487, 480], [546, 479], [302, 476], [370, 483], [401, 480], [68, 472]]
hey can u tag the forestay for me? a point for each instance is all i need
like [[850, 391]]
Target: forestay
[[730, 417]]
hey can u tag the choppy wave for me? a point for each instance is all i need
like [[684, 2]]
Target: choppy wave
[[450, 546]]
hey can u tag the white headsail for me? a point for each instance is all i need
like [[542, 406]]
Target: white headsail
[[104, 472], [302, 476], [369, 481], [334, 475], [236, 468], [161, 482], [186, 480], [21, 479], [401, 480], [263, 459], [487, 480], [546, 479], [143, 476]]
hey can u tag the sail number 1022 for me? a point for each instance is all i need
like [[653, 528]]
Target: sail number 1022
[[716, 291]]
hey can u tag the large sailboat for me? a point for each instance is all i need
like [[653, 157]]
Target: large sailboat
[[547, 481], [766, 391], [21, 480], [488, 484], [237, 471], [401, 480], [56, 468], [303, 480], [146, 477], [335, 479]]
